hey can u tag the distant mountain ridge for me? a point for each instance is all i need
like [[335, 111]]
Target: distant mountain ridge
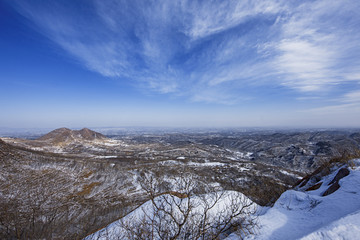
[[65, 135], [4, 148]]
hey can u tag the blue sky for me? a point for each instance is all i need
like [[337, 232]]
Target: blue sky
[[180, 63]]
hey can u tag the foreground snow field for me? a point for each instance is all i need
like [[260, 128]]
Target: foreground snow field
[[308, 215], [297, 214]]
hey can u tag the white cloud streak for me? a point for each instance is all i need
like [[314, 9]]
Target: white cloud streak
[[209, 51], [208, 19], [352, 97], [315, 44]]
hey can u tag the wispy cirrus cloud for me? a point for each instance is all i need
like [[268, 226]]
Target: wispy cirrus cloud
[[210, 51], [345, 109], [317, 45], [218, 16], [352, 97]]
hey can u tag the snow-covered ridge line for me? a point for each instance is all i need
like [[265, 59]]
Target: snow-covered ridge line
[[307, 215]]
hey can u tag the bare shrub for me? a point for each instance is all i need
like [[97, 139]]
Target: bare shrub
[[184, 213], [32, 214]]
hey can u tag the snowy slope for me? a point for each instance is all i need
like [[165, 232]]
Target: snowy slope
[[116, 230], [347, 227], [308, 215], [297, 214]]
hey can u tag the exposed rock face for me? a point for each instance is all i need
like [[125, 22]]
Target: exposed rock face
[[315, 187], [342, 173], [335, 182], [62, 135], [335, 186]]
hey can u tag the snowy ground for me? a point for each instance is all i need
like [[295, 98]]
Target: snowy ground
[[298, 214], [116, 229], [309, 215]]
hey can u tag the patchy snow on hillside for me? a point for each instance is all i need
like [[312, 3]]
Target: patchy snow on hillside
[[309, 215], [290, 174], [206, 164]]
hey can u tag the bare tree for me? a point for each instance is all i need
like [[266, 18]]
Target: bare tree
[[31, 214], [190, 210]]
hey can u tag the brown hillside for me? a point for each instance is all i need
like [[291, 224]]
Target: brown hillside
[[65, 135]]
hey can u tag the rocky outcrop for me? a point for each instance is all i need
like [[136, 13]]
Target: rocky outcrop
[[334, 184]]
